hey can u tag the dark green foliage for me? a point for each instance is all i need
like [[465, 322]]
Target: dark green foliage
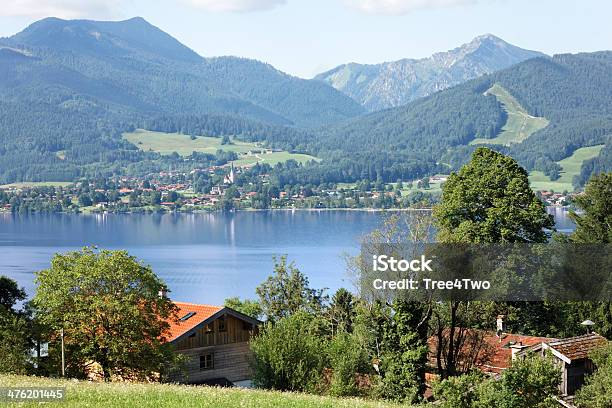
[[348, 357], [342, 310], [597, 392], [248, 307], [14, 329], [289, 355], [403, 351], [488, 201], [10, 294], [594, 225], [528, 383], [287, 292]]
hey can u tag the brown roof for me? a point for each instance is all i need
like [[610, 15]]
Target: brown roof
[[575, 348], [484, 350], [200, 313]]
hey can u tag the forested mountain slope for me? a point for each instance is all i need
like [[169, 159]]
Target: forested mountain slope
[[73, 87], [573, 92], [396, 83]]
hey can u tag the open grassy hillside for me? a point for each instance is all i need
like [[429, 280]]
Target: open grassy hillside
[[168, 143], [86, 394], [570, 167], [520, 124], [37, 184]]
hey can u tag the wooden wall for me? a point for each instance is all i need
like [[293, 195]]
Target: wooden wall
[[231, 361], [210, 335]]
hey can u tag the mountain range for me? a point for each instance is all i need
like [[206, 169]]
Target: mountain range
[[131, 67], [69, 89], [391, 84]]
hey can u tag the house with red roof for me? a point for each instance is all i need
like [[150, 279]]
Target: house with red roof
[[215, 341]]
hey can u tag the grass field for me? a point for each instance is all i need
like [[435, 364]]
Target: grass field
[[570, 168], [30, 184], [86, 394], [167, 143], [520, 124]]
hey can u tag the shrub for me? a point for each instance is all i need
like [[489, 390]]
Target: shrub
[[289, 355]]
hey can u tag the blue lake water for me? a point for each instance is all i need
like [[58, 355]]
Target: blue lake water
[[204, 258]]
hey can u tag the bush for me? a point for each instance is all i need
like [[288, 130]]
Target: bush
[[597, 392], [347, 357], [290, 355], [529, 383], [458, 392]]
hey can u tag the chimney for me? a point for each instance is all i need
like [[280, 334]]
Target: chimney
[[500, 326]]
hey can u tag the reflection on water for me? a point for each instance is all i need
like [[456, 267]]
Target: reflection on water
[[203, 257]]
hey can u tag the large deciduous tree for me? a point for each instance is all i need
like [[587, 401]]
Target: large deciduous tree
[[489, 201], [109, 308]]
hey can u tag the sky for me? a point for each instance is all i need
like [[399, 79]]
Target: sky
[[306, 37]]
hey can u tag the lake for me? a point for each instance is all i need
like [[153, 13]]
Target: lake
[[204, 258]]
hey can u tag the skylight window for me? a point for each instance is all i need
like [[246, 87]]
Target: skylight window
[[187, 316]]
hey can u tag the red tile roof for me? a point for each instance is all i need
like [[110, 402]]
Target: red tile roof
[[201, 313], [484, 350]]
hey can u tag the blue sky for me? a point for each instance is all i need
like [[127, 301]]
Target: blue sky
[[305, 37]]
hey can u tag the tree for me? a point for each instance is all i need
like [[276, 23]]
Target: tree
[[287, 292], [108, 305], [529, 383], [597, 392], [289, 355], [14, 343], [403, 354], [248, 307], [14, 329], [342, 311], [489, 201], [594, 225], [226, 140], [10, 293]]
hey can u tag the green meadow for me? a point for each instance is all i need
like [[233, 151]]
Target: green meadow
[[168, 143], [570, 167], [520, 124], [115, 395], [30, 184]]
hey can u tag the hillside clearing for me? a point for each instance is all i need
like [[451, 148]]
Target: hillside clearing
[[30, 184], [570, 167], [248, 153], [520, 124], [168, 143], [111, 395]]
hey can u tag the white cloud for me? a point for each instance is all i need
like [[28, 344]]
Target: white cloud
[[235, 5], [399, 7], [60, 8]]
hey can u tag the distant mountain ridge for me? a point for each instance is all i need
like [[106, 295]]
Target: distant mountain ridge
[[397, 83], [156, 73]]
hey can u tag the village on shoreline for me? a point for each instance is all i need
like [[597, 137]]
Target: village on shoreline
[[185, 192]]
